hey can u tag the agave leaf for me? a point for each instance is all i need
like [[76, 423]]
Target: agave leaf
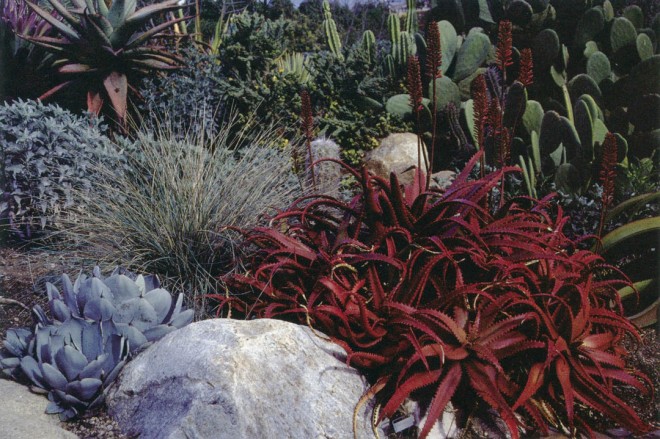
[[54, 407], [65, 14], [69, 401], [632, 204], [17, 341], [98, 30], [31, 369], [136, 21], [182, 319], [53, 377], [68, 414], [112, 376], [69, 296], [634, 289], [133, 335], [157, 332], [137, 39], [161, 301], [85, 389], [120, 10], [122, 287], [70, 361], [91, 341], [65, 30], [626, 234], [175, 310], [52, 292], [99, 309], [70, 331], [116, 85], [94, 369], [59, 310]]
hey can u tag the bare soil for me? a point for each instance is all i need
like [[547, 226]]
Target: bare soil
[[24, 274]]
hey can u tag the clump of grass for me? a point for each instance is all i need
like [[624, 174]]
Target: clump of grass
[[173, 212]]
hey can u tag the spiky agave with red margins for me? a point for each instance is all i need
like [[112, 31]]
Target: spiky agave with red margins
[[433, 296], [102, 45]]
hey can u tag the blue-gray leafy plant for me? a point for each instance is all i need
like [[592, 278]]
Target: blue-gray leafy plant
[[45, 152], [97, 324]]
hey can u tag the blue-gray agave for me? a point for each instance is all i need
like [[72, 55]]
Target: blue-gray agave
[[97, 323]]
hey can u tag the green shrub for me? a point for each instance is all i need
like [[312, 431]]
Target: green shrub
[[45, 154], [185, 97], [171, 214]]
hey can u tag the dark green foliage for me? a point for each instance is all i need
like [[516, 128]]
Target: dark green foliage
[[45, 153], [187, 97], [97, 323]]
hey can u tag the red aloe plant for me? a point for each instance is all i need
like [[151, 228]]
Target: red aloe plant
[[433, 296]]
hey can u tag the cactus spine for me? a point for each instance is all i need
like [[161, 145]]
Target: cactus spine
[[330, 29], [411, 17], [369, 45]]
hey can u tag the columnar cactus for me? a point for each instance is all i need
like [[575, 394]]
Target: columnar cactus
[[330, 29], [369, 44], [411, 17]]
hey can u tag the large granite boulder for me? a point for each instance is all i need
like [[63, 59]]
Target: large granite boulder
[[239, 379], [396, 153], [22, 415]]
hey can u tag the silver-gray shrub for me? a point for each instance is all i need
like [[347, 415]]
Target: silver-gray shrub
[[174, 211], [46, 153]]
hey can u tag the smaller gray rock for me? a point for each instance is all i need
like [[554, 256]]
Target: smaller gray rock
[[22, 415], [396, 153], [234, 379]]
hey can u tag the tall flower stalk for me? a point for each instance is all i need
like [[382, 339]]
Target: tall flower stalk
[[307, 122], [607, 176], [415, 89], [433, 71]]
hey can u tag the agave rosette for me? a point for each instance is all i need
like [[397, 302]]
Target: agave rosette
[[97, 323], [105, 47]]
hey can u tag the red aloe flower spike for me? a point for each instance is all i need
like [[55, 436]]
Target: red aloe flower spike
[[308, 129], [504, 44], [415, 89], [607, 176], [414, 84], [433, 71], [433, 51], [504, 147], [480, 105], [526, 70]]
